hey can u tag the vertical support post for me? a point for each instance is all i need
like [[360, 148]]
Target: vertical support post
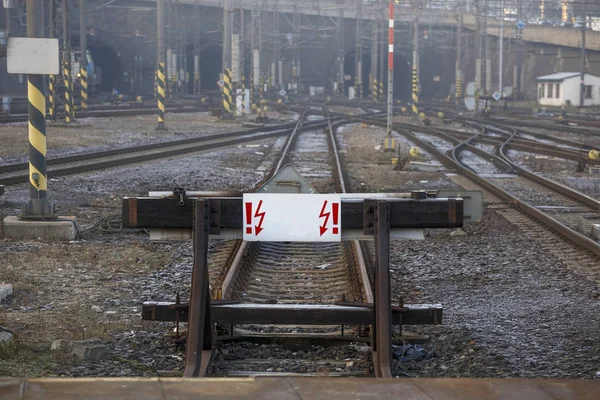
[[160, 71], [197, 51], [227, 93], [382, 336], [501, 49], [357, 52], [69, 112], [52, 78], [38, 206], [390, 96], [374, 85], [227, 90], [341, 53], [415, 69], [582, 79], [199, 339], [459, 73], [381, 59], [479, 51], [83, 62], [488, 62], [518, 84]]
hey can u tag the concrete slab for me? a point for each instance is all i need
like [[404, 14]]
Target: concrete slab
[[5, 290], [297, 388], [63, 229]]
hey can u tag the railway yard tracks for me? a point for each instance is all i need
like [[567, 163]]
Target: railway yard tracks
[[257, 277], [325, 285], [18, 173], [560, 218]]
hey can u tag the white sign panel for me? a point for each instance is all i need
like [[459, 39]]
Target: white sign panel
[[292, 217], [38, 56]]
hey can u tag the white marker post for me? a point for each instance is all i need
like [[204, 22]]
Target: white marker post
[[292, 217]]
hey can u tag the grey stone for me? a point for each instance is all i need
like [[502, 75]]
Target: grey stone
[[91, 350], [62, 346], [97, 309], [5, 291], [61, 230], [6, 341], [458, 232]]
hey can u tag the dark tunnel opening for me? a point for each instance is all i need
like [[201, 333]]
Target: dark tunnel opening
[[402, 75], [210, 67], [108, 66]]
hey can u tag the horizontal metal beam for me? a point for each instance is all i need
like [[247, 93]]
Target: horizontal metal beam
[[171, 213], [298, 314]]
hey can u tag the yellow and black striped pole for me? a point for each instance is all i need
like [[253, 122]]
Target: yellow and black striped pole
[[227, 90], [415, 92], [84, 88], [52, 97], [38, 206], [381, 93], [261, 89], [243, 93], [196, 83], [69, 114], [375, 90], [458, 91], [160, 94]]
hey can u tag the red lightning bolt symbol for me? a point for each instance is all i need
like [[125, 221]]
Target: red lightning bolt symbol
[[323, 228], [258, 228]]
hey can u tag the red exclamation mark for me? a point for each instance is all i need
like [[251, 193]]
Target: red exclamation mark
[[249, 218], [335, 209]]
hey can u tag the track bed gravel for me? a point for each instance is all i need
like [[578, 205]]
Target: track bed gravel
[[511, 309]]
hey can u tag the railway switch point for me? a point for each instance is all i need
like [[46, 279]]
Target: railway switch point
[[57, 230]]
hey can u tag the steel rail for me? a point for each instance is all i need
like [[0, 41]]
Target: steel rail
[[452, 163], [175, 148]]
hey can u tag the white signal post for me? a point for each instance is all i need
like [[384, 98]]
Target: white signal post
[[390, 96], [277, 217]]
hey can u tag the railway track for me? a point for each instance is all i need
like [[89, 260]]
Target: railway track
[[561, 228], [110, 112], [18, 173], [298, 273]]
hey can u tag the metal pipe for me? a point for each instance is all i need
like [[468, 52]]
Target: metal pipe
[[582, 79], [390, 97], [501, 48]]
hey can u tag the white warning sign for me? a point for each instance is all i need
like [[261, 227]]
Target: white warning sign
[[276, 217]]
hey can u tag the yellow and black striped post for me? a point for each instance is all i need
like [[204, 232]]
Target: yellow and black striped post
[[52, 97], [69, 113], [458, 91], [415, 92], [243, 87], [196, 83], [261, 89], [375, 91], [227, 92], [38, 206], [381, 92], [156, 83], [160, 94], [84, 88]]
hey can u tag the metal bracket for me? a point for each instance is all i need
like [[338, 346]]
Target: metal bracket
[[369, 217], [180, 192], [215, 217]]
